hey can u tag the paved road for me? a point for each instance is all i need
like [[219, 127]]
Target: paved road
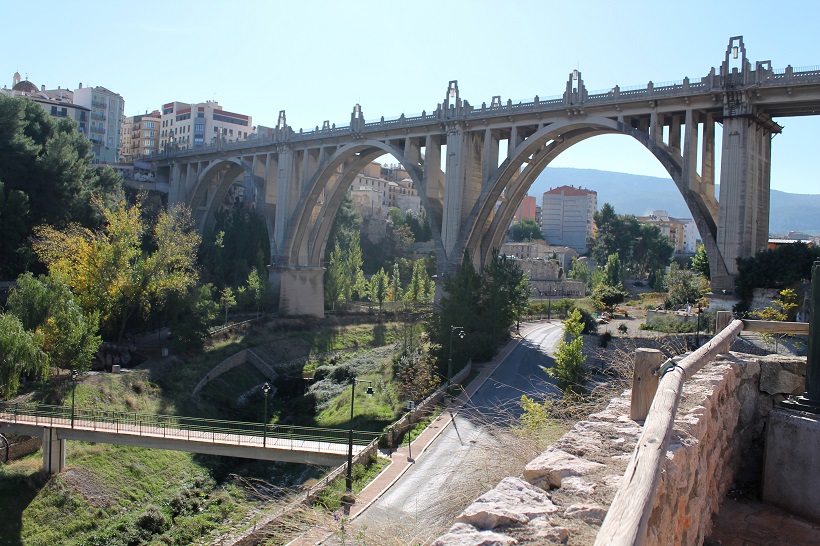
[[428, 496]]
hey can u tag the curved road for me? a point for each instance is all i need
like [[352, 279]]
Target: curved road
[[460, 463]]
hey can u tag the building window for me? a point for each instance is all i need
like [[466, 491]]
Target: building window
[[53, 110]]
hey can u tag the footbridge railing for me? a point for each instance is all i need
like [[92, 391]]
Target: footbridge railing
[[626, 521], [176, 426]]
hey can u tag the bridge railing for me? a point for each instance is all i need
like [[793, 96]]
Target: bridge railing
[[174, 426], [628, 516]]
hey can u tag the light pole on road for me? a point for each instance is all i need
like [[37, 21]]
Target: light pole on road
[[461, 335], [349, 476]]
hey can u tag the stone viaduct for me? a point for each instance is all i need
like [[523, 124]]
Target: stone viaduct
[[470, 193]]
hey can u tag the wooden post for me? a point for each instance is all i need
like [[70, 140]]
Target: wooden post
[[644, 382], [722, 320]]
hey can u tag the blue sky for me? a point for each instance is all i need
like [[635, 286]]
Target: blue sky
[[316, 59]]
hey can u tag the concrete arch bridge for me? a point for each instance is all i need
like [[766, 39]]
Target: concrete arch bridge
[[452, 154]]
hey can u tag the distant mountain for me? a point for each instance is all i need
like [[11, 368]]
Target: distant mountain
[[640, 195]]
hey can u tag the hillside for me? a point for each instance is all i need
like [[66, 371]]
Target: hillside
[[639, 195]]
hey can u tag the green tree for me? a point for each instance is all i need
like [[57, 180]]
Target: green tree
[[49, 309], [237, 243], [608, 297], [379, 287], [14, 211], [569, 369], [335, 277], [395, 292], [257, 289], [109, 270], [652, 251], [48, 161], [19, 354], [683, 286], [780, 268], [580, 272], [613, 274], [227, 300], [418, 290], [526, 230], [505, 292], [700, 262]]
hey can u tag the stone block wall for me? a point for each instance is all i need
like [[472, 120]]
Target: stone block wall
[[564, 493], [20, 448]]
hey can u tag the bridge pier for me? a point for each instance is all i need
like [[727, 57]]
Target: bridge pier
[[53, 451], [301, 289]]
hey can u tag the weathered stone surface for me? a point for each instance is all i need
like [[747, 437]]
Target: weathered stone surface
[[577, 484], [590, 513], [545, 531], [549, 468], [512, 501], [774, 379], [462, 534]]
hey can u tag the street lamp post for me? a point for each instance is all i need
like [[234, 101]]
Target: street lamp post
[[461, 334], [349, 476], [697, 334], [74, 375], [266, 390]]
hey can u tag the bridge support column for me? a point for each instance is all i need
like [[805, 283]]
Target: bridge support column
[[743, 219], [301, 289], [53, 452]]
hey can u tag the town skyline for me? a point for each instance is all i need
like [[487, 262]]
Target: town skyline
[[316, 60]]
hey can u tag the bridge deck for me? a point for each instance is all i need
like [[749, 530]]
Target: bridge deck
[[228, 438]]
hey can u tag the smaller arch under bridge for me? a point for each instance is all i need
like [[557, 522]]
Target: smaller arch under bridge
[[56, 424], [470, 192]]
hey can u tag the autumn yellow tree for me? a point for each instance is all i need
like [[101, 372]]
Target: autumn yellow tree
[[126, 267]]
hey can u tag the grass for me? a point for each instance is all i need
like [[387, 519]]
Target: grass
[[123, 495], [333, 496]]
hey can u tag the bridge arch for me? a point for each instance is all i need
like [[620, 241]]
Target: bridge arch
[[224, 171], [486, 226], [313, 216]]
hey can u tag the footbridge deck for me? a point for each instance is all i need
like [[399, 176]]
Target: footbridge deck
[[307, 445]]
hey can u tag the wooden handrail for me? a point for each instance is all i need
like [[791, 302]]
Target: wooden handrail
[[774, 327], [626, 522]]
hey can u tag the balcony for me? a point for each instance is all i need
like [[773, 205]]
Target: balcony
[[98, 129], [98, 115], [99, 104]]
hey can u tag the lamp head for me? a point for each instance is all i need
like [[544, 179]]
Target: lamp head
[[369, 390], [266, 388], [74, 375]]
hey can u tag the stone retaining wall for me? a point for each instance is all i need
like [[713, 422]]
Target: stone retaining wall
[[565, 492], [243, 356], [20, 448]]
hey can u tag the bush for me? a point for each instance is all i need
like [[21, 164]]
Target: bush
[[590, 323], [606, 337]]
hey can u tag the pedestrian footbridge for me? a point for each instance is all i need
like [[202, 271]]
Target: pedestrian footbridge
[[56, 424]]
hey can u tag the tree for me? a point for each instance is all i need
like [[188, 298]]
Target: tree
[[48, 161], [608, 297], [379, 287], [109, 270], [526, 230], [49, 310], [237, 243], [256, 288], [683, 286], [700, 262], [395, 290], [613, 274], [335, 278], [417, 291], [14, 211], [19, 354], [569, 369], [652, 251], [505, 293], [227, 300], [580, 272], [416, 378]]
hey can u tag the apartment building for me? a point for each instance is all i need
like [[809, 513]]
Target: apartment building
[[185, 125], [105, 125], [526, 210], [56, 102], [140, 136], [681, 232], [566, 216]]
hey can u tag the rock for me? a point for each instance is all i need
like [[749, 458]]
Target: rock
[[512, 501], [590, 513], [547, 532], [574, 483], [776, 380], [462, 534], [553, 465]]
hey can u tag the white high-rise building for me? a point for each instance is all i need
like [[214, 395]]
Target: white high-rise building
[[105, 126], [566, 216]]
